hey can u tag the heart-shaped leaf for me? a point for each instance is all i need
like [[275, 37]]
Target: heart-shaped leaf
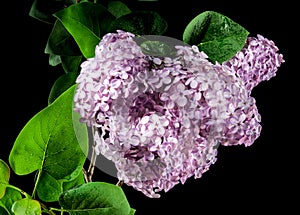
[[6, 202], [4, 177], [141, 23], [86, 22], [27, 206], [49, 188], [215, 34], [48, 142], [97, 198]]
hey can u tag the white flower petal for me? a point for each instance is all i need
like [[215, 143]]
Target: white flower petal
[[181, 101]]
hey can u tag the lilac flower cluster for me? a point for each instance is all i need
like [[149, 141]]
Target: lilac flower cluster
[[258, 61], [160, 120]]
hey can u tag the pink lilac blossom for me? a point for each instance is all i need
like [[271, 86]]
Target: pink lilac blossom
[[160, 120], [258, 61]]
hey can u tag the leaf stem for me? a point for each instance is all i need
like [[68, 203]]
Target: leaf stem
[[58, 209], [18, 189], [36, 183], [46, 209]]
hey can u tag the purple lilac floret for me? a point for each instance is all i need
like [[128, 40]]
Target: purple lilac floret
[[160, 120], [258, 61]]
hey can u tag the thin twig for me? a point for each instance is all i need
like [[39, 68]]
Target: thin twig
[[91, 168], [85, 174], [120, 183], [89, 173]]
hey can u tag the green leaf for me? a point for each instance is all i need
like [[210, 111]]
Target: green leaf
[[49, 188], [54, 60], [118, 8], [48, 142], [63, 83], [79, 180], [60, 42], [215, 34], [3, 211], [42, 10], [95, 198], [27, 206], [141, 23], [132, 211], [71, 63], [11, 195], [156, 48], [81, 133], [86, 22], [4, 177]]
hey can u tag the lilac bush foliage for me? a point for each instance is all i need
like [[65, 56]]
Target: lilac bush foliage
[[161, 120]]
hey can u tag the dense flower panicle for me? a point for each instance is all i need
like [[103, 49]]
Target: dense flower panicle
[[160, 120], [116, 56], [258, 61], [242, 117]]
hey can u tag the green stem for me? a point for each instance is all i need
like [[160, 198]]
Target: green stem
[[58, 209], [18, 189], [46, 209], [30, 197], [36, 183]]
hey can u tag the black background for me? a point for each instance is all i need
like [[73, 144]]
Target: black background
[[254, 179]]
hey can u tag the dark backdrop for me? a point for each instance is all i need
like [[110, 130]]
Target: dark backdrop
[[259, 178]]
